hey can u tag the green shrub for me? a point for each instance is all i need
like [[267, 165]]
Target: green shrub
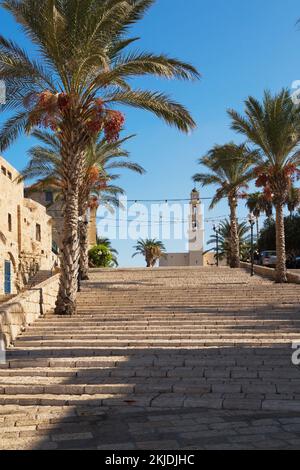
[[100, 257]]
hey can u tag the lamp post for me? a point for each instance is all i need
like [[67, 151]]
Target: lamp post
[[252, 220], [216, 230]]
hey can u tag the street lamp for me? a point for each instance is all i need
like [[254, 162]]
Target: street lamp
[[216, 230], [252, 220]]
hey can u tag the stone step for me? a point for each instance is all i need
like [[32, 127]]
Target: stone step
[[142, 320], [144, 328], [275, 335], [217, 341]]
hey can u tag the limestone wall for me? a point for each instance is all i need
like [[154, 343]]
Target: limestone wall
[[25, 232], [11, 197], [293, 278], [27, 307]]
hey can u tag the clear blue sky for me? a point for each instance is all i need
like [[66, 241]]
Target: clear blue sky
[[240, 47]]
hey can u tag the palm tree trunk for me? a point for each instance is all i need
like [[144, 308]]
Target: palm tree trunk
[[234, 237], [72, 170], [84, 245], [281, 274]]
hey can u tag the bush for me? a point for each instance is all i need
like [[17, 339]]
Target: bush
[[100, 257]]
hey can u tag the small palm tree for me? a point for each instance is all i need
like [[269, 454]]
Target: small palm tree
[[229, 167], [78, 73], [293, 200], [96, 188], [258, 204], [107, 243], [224, 237], [273, 127], [151, 249]]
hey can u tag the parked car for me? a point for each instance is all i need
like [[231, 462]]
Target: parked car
[[268, 258]]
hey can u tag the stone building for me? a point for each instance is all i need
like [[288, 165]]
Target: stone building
[[53, 204], [50, 199], [194, 257], [25, 234]]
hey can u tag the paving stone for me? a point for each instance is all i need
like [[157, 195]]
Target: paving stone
[[157, 445], [71, 436], [123, 446], [241, 404]]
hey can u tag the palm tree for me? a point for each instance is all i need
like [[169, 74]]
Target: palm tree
[[229, 167], [224, 237], [273, 127], [293, 200], [78, 72], [257, 203], [151, 249], [45, 162]]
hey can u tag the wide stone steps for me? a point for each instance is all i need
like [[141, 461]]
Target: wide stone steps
[[174, 338]]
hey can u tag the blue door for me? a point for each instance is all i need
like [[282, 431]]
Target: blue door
[[7, 277]]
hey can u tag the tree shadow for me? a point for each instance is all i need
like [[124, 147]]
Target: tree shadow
[[161, 384]]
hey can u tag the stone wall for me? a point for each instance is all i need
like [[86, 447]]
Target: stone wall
[[25, 232], [11, 197], [25, 308], [293, 278]]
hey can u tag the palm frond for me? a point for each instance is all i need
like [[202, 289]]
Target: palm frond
[[158, 103]]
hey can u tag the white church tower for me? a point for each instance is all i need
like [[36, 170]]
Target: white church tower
[[194, 255], [196, 230]]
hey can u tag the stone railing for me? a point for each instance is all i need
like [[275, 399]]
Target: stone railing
[[26, 307], [293, 278]]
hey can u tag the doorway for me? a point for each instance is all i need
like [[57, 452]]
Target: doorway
[[7, 277]]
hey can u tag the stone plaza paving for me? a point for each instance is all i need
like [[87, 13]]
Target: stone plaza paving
[[170, 429], [190, 358]]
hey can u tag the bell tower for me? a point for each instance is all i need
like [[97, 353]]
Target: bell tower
[[196, 230]]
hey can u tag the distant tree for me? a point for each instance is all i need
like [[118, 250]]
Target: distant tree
[[267, 238], [258, 204], [224, 240], [106, 242], [151, 249], [100, 256], [229, 168], [293, 200]]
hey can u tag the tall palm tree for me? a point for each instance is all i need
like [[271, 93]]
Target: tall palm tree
[[257, 203], [46, 163], [224, 237], [273, 127], [151, 249], [78, 71], [229, 168]]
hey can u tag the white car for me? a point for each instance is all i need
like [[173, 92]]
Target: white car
[[268, 258]]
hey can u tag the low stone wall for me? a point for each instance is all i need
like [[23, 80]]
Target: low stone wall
[[26, 307], [293, 278]]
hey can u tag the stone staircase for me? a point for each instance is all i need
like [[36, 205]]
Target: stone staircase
[[5, 297], [39, 277], [156, 339]]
